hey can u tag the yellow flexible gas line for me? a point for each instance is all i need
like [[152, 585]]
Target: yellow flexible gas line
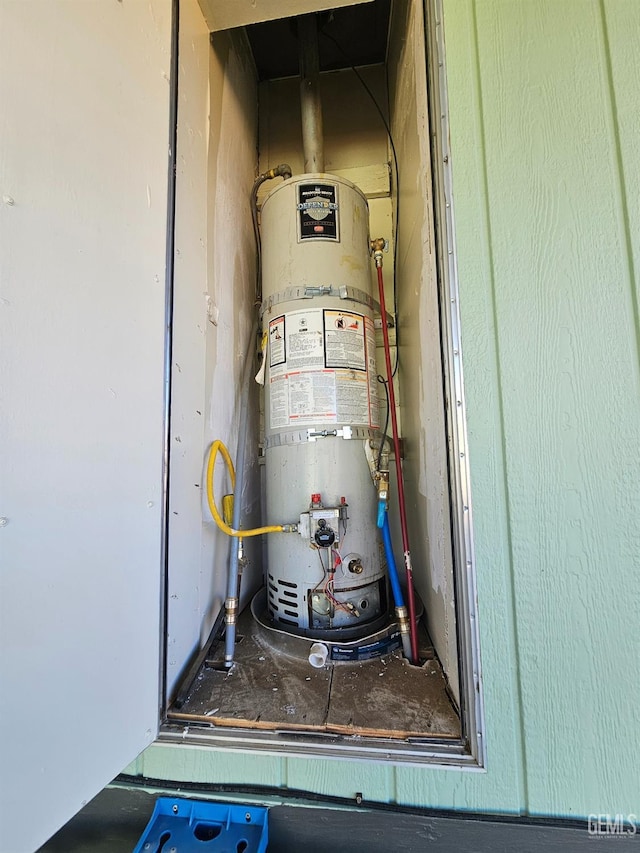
[[213, 452]]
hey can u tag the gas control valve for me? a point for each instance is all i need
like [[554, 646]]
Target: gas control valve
[[321, 524]]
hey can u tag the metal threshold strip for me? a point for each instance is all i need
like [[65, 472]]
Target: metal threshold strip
[[418, 752]]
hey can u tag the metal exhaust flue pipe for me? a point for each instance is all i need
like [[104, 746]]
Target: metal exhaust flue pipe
[[310, 102]]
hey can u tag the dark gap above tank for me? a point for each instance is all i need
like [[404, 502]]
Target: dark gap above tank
[[352, 35]]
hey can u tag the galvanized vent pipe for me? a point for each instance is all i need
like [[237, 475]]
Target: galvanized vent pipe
[[310, 103]]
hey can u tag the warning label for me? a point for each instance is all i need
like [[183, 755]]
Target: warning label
[[277, 344], [279, 402], [344, 340], [322, 369], [372, 372], [352, 396]]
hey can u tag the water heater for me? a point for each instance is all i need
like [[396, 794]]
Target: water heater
[[321, 409]]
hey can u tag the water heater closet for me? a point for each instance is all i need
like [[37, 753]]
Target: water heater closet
[[330, 573]]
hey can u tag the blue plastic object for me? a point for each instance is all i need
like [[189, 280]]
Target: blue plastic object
[[187, 826]]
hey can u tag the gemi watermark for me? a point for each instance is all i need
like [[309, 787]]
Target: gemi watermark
[[612, 826]]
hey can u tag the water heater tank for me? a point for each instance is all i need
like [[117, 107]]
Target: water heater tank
[[321, 407]]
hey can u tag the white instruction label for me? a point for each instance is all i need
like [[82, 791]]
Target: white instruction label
[[322, 369], [300, 341]]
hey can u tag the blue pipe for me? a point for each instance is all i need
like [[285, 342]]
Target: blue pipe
[[394, 580], [392, 568]]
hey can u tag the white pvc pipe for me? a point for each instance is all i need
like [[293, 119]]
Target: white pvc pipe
[[318, 654]]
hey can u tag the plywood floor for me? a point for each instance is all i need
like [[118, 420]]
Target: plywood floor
[[270, 689]]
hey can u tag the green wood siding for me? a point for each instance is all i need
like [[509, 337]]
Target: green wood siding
[[560, 348], [544, 105]]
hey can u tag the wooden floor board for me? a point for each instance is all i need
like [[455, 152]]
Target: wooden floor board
[[390, 698], [263, 686]]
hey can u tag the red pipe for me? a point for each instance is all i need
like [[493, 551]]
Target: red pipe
[[411, 601]]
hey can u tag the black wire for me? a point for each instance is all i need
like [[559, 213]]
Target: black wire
[[383, 438], [397, 177]]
